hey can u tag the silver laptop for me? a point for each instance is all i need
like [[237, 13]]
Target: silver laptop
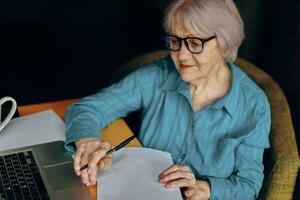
[[43, 171]]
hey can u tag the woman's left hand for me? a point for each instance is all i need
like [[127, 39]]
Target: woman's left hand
[[178, 176]]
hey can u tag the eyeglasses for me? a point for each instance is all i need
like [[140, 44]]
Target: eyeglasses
[[193, 44]]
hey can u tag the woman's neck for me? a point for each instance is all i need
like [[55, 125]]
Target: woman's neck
[[213, 86], [217, 75]]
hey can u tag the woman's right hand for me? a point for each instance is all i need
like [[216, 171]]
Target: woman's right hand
[[91, 151]]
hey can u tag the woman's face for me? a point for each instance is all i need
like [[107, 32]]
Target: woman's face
[[193, 67]]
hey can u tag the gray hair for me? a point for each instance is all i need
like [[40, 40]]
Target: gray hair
[[208, 17]]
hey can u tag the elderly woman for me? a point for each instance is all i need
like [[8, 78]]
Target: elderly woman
[[196, 104]]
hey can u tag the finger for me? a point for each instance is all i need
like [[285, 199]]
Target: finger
[[105, 163], [178, 174], [85, 177], [189, 192], [178, 183], [89, 173], [170, 169], [84, 160], [98, 155], [77, 160], [174, 168], [186, 168], [92, 173], [84, 173]]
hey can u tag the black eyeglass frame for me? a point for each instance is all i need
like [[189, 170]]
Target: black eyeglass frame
[[203, 41]]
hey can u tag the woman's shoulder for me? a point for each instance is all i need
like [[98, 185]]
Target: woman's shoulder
[[251, 100], [248, 87], [252, 106]]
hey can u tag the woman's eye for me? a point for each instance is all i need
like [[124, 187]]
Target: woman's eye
[[195, 43], [174, 41]]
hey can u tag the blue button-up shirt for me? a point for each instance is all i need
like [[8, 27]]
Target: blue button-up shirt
[[222, 142]]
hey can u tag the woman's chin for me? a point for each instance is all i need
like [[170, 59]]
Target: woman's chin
[[187, 77]]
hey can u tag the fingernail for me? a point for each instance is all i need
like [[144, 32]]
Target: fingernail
[[86, 182]]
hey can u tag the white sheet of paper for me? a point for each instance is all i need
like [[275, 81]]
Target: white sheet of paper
[[134, 176], [32, 129]]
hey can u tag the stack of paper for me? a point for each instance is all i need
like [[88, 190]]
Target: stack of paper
[[134, 176], [32, 129]]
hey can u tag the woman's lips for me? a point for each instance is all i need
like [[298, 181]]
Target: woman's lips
[[183, 66]]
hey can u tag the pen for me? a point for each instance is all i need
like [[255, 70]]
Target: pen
[[121, 145]]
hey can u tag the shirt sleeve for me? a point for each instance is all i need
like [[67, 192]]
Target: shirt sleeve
[[246, 180], [91, 114]]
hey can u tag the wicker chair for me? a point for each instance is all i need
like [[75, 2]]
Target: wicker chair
[[281, 160]]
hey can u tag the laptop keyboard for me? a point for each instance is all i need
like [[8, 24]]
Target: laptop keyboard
[[20, 178]]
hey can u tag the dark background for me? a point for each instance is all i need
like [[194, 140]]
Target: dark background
[[61, 49]]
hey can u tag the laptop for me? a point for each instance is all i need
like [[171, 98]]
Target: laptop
[[33, 162], [41, 172]]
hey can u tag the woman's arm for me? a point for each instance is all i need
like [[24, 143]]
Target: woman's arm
[[91, 114], [87, 117]]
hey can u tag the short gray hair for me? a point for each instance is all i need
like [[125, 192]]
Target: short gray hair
[[208, 17]]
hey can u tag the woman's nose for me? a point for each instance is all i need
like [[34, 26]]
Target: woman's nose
[[183, 52]]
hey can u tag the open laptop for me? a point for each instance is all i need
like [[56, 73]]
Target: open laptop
[[43, 171], [31, 167]]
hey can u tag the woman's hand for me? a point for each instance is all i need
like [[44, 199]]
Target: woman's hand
[[178, 176], [91, 151]]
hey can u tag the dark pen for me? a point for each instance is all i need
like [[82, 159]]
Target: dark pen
[[124, 143]]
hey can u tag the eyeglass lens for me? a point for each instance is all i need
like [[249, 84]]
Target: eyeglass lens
[[194, 45]]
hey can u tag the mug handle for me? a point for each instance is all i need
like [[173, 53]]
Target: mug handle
[[11, 112]]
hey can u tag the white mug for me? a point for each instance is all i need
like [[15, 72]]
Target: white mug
[[11, 112]]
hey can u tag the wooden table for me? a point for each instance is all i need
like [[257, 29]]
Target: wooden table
[[114, 133]]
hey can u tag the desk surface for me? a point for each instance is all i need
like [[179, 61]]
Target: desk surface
[[114, 133]]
